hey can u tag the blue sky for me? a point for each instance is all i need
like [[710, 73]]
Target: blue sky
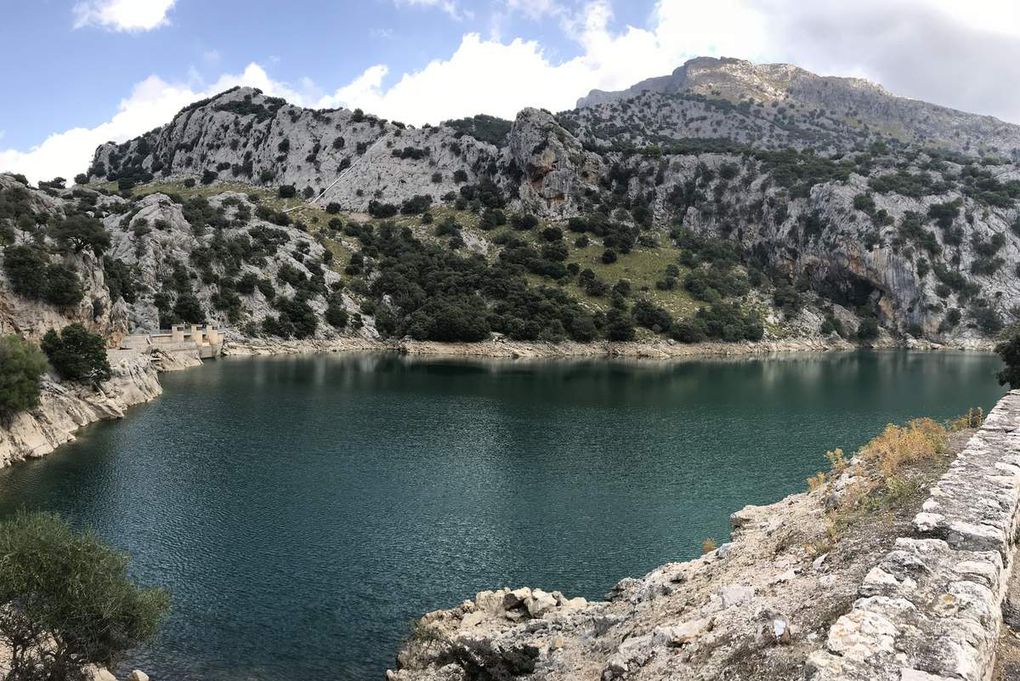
[[81, 78], [80, 72]]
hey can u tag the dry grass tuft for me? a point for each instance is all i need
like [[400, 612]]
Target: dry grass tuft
[[817, 481], [708, 546], [918, 440]]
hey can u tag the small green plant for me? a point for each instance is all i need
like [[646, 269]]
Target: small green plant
[[1009, 351], [974, 418]]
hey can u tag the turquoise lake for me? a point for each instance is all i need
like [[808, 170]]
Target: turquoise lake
[[302, 511]]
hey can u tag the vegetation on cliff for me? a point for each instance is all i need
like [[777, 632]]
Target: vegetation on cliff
[[21, 367], [724, 216], [76, 354]]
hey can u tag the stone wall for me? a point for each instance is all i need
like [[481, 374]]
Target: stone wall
[[931, 610]]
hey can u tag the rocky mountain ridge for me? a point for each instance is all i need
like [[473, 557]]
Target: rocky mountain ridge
[[773, 222], [851, 110], [905, 228]]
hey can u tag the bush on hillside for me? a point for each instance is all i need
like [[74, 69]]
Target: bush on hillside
[[35, 278], [867, 330], [76, 354]]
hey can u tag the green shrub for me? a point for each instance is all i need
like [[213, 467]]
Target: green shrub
[[416, 205], [188, 309], [652, 317], [1009, 351], [336, 314], [729, 323], [867, 330], [79, 232], [73, 592], [524, 222], [381, 210], [21, 366], [688, 331], [450, 319], [76, 354], [619, 325], [122, 279], [34, 277]]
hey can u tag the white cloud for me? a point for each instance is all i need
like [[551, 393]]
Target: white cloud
[[535, 9], [448, 6], [500, 78], [122, 15]]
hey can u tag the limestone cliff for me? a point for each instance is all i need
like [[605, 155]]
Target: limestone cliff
[[788, 104], [64, 408]]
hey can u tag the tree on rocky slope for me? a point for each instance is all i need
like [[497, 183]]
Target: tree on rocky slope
[[76, 354], [21, 366], [35, 278], [66, 601], [79, 232]]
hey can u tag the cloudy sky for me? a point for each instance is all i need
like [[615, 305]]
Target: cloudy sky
[[77, 73]]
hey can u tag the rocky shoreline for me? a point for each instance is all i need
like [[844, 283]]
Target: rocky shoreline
[[507, 349], [867, 576]]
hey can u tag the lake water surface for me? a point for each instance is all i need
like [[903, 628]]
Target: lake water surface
[[304, 510]]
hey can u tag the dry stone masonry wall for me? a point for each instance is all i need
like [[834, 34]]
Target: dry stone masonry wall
[[932, 609]]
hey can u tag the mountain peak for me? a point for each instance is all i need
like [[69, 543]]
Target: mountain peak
[[805, 108]]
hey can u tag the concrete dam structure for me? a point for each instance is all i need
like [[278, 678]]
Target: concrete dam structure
[[194, 341]]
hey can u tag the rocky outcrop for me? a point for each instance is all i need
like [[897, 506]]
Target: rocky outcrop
[[64, 408], [557, 170], [156, 239], [882, 206], [339, 155], [32, 319]]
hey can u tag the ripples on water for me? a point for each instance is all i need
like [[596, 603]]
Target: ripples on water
[[304, 510]]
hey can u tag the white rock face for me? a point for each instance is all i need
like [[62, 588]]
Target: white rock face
[[557, 170], [547, 165]]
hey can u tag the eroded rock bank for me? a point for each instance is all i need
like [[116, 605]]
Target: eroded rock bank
[[504, 348], [64, 407], [867, 576]]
